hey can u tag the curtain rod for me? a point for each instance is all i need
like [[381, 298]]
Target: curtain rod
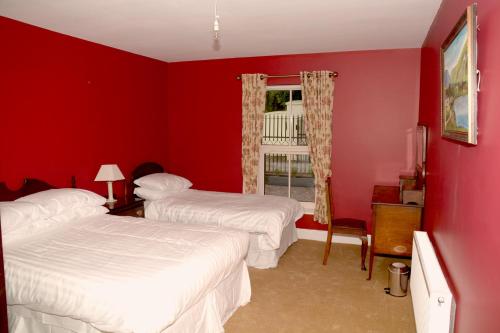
[[334, 74]]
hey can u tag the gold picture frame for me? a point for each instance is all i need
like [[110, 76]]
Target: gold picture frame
[[459, 80]]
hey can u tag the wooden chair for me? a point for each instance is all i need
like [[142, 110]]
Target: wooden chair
[[344, 226]]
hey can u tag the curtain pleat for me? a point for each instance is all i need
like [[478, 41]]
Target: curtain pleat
[[317, 101], [253, 105]]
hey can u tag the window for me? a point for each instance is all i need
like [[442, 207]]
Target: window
[[284, 166]]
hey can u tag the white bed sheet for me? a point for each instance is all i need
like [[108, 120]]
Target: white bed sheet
[[263, 215], [121, 274], [263, 259], [207, 316]]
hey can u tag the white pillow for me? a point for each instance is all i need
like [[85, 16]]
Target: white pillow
[[148, 194], [55, 201], [24, 219], [15, 215], [163, 182]]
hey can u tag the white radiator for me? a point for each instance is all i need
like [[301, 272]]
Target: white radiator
[[433, 302]]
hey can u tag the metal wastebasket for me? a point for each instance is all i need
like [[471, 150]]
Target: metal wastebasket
[[398, 279]]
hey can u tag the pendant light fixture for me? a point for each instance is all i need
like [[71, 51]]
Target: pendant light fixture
[[216, 24]]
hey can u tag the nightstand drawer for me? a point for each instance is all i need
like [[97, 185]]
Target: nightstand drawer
[[136, 212], [127, 207]]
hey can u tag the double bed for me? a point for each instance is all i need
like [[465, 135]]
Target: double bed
[[103, 273], [270, 220]]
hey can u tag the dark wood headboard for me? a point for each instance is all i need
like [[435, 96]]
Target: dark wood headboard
[[145, 169], [30, 186]]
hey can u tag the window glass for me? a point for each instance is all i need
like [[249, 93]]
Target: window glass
[[286, 167], [276, 173], [296, 95], [276, 118], [276, 100], [301, 178], [298, 131]]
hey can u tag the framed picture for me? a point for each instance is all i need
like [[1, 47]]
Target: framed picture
[[459, 80]]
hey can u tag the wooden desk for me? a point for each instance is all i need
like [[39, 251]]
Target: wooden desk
[[392, 224]]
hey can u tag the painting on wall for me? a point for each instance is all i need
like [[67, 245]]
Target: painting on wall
[[459, 80]]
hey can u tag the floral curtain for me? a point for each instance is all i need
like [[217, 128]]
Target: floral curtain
[[253, 105], [317, 101]]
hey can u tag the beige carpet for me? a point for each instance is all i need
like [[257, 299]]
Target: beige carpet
[[302, 295]]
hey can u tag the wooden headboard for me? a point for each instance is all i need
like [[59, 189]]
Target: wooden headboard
[[145, 169], [30, 186]]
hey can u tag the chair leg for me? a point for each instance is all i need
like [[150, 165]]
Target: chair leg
[[328, 245], [370, 267], [364, 249]]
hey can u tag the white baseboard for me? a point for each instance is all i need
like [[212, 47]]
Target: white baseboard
[[320, 235]]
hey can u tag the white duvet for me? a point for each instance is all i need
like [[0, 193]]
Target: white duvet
[[120, 274], [266, 215]]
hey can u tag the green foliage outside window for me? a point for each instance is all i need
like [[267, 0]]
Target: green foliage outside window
[[276, 99]]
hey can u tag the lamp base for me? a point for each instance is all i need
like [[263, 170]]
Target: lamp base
[[110, 193]]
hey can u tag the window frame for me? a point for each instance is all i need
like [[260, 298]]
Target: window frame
[[282, 149]]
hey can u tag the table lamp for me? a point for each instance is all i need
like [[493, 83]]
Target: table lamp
[[109, 173]]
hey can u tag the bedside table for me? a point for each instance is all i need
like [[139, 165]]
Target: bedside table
[[128, 206]]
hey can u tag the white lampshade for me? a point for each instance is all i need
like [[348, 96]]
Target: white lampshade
[[109, 173]]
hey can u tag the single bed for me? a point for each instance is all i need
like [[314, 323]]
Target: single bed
[[270, 220], [104, 273]]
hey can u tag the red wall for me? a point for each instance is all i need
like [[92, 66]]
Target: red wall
[[461, 211], [376, 101], [68, 105]]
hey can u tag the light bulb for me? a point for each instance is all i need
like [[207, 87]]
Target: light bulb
[[216, 27]]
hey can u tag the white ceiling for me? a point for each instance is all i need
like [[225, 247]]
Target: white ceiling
[[179, 30]]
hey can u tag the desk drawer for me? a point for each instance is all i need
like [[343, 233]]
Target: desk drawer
[[393, 228]]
